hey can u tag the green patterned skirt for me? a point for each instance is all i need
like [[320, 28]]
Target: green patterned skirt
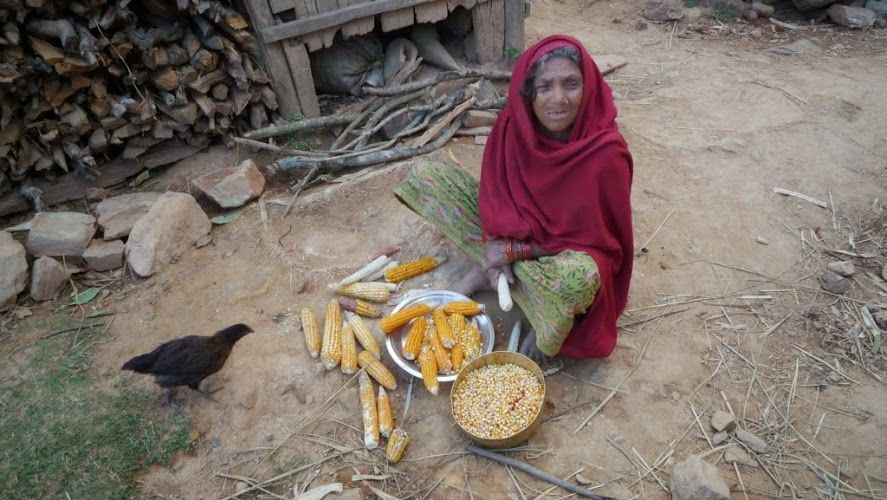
[[550, 291]]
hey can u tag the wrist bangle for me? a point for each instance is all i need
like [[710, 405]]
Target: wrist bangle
[[509, 251], [526, 251]]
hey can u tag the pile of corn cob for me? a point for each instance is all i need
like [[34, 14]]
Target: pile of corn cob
[[442, 342], [338, 343]]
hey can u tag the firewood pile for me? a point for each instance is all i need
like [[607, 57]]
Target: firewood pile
[[83, 82]]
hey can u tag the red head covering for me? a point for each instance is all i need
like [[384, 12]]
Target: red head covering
[[565, 195]]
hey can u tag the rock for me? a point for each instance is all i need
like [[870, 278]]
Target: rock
[[48, 278], [802, 46], [762, 9], [664, 10], [13, 270], [692, 13], [851, 17], [723, 421], [831, 282], [750, 14], [755, 443], [479, 118], [170, 227], [232, 187], [805, 5], [249, 402], [880, 318], [762, 240], [735, 454], [879, 7], [694, 479], [719, 438], [57, 234], [104, 255], [640, 25], [843, 268], [96, 194], [349, 494], [118, 214]]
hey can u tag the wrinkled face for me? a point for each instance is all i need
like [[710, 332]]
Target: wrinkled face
[[558, 89]]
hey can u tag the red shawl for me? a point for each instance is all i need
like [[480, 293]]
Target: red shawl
[[573, 195]]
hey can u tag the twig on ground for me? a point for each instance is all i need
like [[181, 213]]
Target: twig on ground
[[643, 248]]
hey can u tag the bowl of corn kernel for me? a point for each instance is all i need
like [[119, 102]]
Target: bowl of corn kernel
[[497, 399]]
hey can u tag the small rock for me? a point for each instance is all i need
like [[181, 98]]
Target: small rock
[[694, 479], [117, 215], [104, 255], [48, 278], [174, 224], [249, 402], [13, 270], [755, 443], [802, 46], [756, 34], [349, 494], [878, 7], [735, 454], [664, 10], [479, 118], [241, 486], [750, 14], [692, 13], [480, 140], [57, 234], [762, 240], [719, 438], [831, 282], [880, 318], [851, 17], [843, 268], [96, 194], [762, 9], [232, 187], [640, 25], [723, 421]]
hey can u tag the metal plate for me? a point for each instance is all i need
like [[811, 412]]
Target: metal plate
[[434, 298]]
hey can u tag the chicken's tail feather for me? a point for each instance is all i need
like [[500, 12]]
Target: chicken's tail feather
[[141, 364]]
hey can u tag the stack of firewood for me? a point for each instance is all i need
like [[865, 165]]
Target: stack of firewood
[[86, 81]]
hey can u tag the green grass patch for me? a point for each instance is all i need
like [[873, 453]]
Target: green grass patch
[[64, 430]]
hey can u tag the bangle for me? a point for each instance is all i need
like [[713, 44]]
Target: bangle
[[509, 251], [525, 251]]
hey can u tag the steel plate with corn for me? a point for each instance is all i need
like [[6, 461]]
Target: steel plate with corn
[[433, 333]]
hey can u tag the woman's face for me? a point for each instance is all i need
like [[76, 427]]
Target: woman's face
[[558, 89]]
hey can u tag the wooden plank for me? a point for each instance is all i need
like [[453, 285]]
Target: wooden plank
[[318, 22], [395, 20], [489, 30], [329, 34], [305, 9], [359, 27], [275, 61], [431, 12], [514, 30], [467, 4], [300, 71]]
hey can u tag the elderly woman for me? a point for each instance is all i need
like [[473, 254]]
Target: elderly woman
[[552, 210]]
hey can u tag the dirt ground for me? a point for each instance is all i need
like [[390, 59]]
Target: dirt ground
[[715, 122]]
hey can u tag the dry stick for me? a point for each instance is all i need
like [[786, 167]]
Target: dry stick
[[644, 246], [701, 427], [834, 369], [271, 147], [801, 196], [250, 482], [668, 313], [533, 471], [321, 122], [776, 325], [442, 123], [739, 477], [492, 74]]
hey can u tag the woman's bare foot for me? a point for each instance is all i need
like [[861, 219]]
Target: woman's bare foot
[[473, 281], [549, 364]]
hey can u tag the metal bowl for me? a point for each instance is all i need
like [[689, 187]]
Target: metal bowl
[[434, 298], [502, 358]]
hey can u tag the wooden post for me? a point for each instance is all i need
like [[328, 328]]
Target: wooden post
[[489, 30], [300, 70], [275, 60], [514, 30]]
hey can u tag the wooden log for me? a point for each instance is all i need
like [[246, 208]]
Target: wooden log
[[166, 79], [323, 122], [205, 60], [269, 98], [60, 29], [205, 82], [219, 92], [258, 118]]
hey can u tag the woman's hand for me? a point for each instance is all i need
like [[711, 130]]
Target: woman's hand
[[496, 261]]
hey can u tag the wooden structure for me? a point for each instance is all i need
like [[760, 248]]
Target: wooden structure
[[289, 29]]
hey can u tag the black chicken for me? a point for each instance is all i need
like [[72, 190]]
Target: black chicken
[[188, 360]]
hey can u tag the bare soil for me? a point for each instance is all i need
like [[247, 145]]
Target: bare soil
[[714, 122]]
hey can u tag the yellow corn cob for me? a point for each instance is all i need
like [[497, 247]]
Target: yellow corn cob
[[331, 351], [444, 365], [377, 370], [458, 356], [349, 350], [312, 333], [458, 324], [364, 336], [443, 328], [374, 292], [386, 420], [360, 306], [409, 269], [414, 340], [472, 342], [397, 443], [429, 369], [368, 411], [390, 323], [465, 308]]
